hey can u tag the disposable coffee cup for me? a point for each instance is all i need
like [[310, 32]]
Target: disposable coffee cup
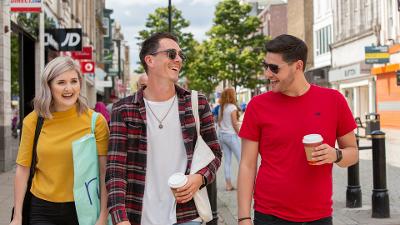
[[311, 141], [177, 180]]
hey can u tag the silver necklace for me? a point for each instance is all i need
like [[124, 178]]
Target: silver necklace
[[160, 125]]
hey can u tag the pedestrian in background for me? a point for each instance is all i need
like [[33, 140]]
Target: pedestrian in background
[[101, 108], [228, 129], [142, 81], [66, 118], [289, 189], [153, 135]]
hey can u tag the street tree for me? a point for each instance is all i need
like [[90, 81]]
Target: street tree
[[237, 43], [158, 22], [203, 70]]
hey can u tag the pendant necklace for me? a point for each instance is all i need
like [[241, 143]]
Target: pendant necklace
[[160, 125]]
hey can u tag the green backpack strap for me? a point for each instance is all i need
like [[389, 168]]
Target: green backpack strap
[[94, 118]]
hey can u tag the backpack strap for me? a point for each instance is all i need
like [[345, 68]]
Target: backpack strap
[[94, 118], [195, 110]]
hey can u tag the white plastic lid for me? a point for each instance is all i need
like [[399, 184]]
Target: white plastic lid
[[312, 138], [177, 180]]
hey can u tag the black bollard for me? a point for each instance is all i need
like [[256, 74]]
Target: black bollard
[[212, 195], [380, 195], [353, 193]]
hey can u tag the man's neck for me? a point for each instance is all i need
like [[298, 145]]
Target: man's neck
[[158, 92], [298, 88]]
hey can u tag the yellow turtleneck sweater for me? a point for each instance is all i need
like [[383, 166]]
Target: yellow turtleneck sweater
[[54, 176]]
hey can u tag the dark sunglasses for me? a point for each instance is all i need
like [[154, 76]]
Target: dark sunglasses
[[272, 67], [171, 53]]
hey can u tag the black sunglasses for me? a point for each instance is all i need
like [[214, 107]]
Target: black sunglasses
[[272, 67], [171, 53]]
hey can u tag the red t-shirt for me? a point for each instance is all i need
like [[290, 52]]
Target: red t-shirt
[[286, 185]]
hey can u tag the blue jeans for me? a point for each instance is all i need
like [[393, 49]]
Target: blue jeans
[[230, 143], [189, 223]]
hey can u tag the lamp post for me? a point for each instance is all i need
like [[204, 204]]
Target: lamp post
[[169, 16]]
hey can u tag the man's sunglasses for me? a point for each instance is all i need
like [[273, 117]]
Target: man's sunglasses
[[171, 53], [272, 67]]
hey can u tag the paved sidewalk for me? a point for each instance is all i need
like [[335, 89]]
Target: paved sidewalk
[[227, 206], [343, 215]]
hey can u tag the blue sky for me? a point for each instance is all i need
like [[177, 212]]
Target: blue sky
[[132, 15]]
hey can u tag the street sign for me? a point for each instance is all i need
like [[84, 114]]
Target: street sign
[[86, 53], [69, 39], [104, 83], [87, 66], [112, 72], [398, 78], [377, 54], [25, 6]]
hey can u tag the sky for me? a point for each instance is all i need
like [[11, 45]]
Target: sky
[[132, 15]]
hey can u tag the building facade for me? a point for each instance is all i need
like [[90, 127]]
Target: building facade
[[300, 24], [322, 38], [388, 75], [355, 25]]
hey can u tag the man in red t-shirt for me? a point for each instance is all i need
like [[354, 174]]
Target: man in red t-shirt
[[287, 189]]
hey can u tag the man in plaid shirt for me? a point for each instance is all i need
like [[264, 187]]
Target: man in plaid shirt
[[153, 135]]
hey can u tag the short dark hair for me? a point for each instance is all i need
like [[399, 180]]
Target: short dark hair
[[291, 48], [151, 45]]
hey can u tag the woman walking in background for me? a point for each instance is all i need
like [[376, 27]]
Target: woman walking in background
[[228, 129], [66, 119]]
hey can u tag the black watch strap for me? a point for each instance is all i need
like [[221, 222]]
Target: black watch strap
[[339, 155]]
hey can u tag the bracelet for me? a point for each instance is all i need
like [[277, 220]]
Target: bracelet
[[244, 218]]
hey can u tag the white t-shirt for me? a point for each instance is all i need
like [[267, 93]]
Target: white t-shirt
[[226, 124], [166, 155]]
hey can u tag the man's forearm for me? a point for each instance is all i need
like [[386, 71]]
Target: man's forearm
[[245, 190]]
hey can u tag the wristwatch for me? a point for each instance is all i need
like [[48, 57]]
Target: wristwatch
[[339, 155]]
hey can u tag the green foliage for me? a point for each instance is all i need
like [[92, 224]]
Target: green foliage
[[14, 65], [237, 48], [158, 22], [203, 69], [30, 22]]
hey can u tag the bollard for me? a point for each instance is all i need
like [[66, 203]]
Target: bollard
[[353, 193], [212, 195], [380, 195]]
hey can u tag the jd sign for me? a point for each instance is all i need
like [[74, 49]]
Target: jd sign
[[63, 39]]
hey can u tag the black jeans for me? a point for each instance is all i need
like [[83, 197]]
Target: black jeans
[[264, 219], [50, 213]]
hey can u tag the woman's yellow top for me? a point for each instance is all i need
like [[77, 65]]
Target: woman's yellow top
[[54, 175]]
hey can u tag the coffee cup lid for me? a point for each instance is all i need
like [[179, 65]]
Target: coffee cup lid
[[312, 138], [177, 180]]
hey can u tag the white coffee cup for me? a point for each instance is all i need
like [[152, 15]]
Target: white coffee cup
[[177, 180], [311, 141]]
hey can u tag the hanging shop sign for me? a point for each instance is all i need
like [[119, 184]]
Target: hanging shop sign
[[86, 53], [69, 39], [87, 66], [377, 54], [26, 6]]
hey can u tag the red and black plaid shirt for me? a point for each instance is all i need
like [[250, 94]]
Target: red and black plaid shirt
[[127, 154]]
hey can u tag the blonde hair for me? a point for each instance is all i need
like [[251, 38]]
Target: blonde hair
[[228, 96], [44, 100]]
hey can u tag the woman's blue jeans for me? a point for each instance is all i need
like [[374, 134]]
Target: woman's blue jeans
[[230, 143]]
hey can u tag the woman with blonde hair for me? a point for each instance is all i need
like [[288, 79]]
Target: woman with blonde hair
[[66, 118], [228, 129]]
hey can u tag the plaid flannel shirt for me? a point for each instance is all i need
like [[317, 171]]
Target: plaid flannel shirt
[[126, 162]]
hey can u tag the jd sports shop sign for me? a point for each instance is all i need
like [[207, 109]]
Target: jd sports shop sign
[[63, 39]]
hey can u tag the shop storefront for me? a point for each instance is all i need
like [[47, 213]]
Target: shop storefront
[[358, 86], [388, 94]]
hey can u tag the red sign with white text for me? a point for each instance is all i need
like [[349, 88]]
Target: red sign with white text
[[25, 6], [86, 53], [87, 66]]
